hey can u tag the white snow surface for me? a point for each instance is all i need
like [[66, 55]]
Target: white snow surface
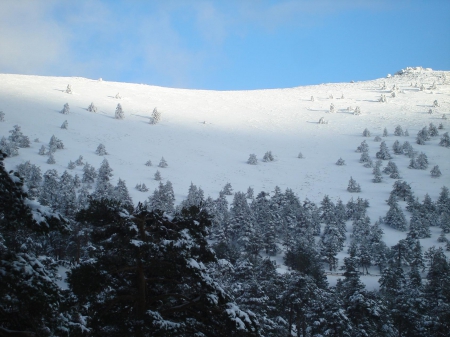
[[206, 136]]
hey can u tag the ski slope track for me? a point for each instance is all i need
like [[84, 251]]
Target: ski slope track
[[206, 137]]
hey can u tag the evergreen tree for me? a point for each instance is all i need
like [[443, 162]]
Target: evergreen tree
[[2, 116], [122, 195], [55, 144], [51, 159], [422, 161], [366, 133], [435, 172], [30, 299], [157, 175], [79, 161], [156, 116], [408, 149], [422, 136], [17, 137], [92, 108], [104, 189], [66, 109], [252, 160], [65, 125], [353, 186], [420, 226], [384, 152], [71, 165], [42, 151], [49, 190], [392, 170], [377, 172], [395, 217], [68, 89], [250, 192], [89, 174], [148, 163], [398, 149], [101, 150], [67, 198], [300, 155], [363, 147], [364, 157], [398, 131], [162, 163], [268, 157], [445, 140], [377, 139], [149, 277], [227, 189], [385, 132], [340, 162], [432, 130], [119, 114]]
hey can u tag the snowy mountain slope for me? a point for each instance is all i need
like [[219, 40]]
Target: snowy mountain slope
[[207, 136]]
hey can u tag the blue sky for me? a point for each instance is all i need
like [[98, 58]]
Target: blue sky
[[223, 45]]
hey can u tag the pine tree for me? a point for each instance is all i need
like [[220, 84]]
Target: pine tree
[[408, 149], [65, 125], [433, 131], [392, 170], [67, 198], [366, 133], [119, 114], [117, 96], [162, 163], [435, 172], [66, 109], [395, 217], [51, 159], [101, 150], [89, 174], [227, 189], [55, 144], [250, 193], [42, 151], [71, 165], [252, 160], [148, 163], [353, 186], [49, 190], [384, 152], [377, 172], [332, 108], [268, 157], [122, 195], [92, 108], [104, 189], [135, 265], [445, 140], [156, 116], [398, 131], [18, 138], [340, 162], [363, 147], [364, 157], [79, 161], [68, 89], [2, 116], [422, 136], [158, 175], [300, 155], [422, 161], [385, 132], [377, 139]]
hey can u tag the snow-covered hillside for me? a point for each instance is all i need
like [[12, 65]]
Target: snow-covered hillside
[[206, 137]]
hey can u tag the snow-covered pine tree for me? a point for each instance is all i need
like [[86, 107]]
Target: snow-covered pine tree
[[67, 198], [353, 186], [377, 138], [89, 175], [104, 189], [122, 195], [445, 140], [148, 163], [66, 109], [422, 136], [366, 133], [433, 131], [51, 159], [392, 169], [385, 132], [92, 107], [357, 111], [364, 157], [68, 89], [377, 172], [408, 149], [300, 155], [101, 150], [250, 193], [398, 131], [227, 189], [49, 190], [18, 138], [162, 163], [406, 133], [395, 217], [65, 125], [252, 160], [71, 165], [158, 175], [436, 104], [312, 98], [332, 108], [441, 126], [10, 149], [2, 116], [397, 147], [55, 144], [364, 147], [384, 152], [156, 116], [422, 161], [119, 114], [436, 172], [340, 162], [268, 157], [79, 161], [117, 96]]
